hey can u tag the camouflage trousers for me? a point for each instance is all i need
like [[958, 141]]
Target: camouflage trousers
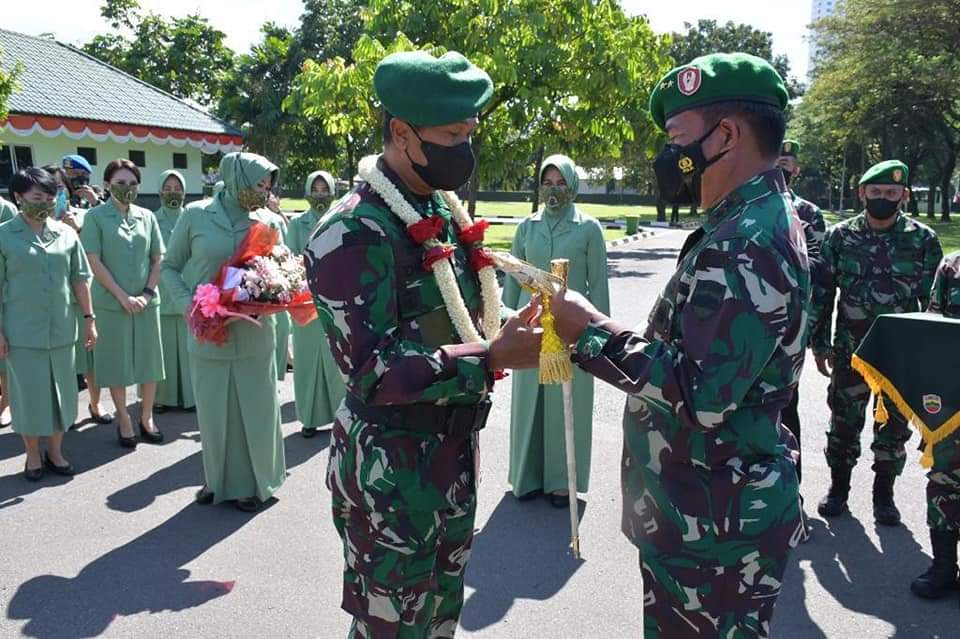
[[847, 397], [719, 574], [943, 486], [404, 506]]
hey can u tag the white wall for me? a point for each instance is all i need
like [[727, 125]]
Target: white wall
[[159, 157]]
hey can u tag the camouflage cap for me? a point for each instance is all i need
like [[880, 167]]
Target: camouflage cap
[[427, 91], [714, 78], [790, 148], [887, 172]]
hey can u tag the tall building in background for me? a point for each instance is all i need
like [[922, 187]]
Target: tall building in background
[[820, 9]]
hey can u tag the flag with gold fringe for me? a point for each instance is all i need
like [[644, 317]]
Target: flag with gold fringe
[[911, 359]]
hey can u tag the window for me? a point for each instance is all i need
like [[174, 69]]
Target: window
[[139, 158], [23, 155], [6, 166], [88, 153], [179, 160]]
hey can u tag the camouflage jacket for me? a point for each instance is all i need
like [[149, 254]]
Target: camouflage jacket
[[814, 229], [382, 312], [876, 272], [945, 296], [720, 359]]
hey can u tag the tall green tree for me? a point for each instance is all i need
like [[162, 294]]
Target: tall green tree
[[185, 56], [565, 73]]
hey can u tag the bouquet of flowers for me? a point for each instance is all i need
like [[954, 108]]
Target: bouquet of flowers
[[262, 278]]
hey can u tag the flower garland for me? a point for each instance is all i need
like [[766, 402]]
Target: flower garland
[[437, 257]]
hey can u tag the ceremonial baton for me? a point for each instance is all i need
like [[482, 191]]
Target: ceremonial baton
[[555, 367]]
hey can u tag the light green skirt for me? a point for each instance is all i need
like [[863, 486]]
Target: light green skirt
[[128, 350], [282, 332], [176, 388], [43, 390], [317, 383], [239, 418]]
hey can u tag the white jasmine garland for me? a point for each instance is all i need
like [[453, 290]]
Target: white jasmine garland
[[443, 269]]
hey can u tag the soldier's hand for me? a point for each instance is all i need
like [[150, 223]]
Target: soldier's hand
[[572, 312], [825, 364], [517, 345]]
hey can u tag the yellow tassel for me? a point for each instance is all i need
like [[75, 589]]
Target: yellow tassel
[[881, 414], [555, 366], [926, 459]]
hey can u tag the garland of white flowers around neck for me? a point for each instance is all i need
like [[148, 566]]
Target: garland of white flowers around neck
[[437, 255]]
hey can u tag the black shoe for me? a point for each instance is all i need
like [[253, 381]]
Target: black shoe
[[150, 437], [32, 474], [885, 511], [533, 494], [204, 496], [835, 503], [941, 578], [308, 432], [126, 442], [560, 501], [249, 504], [66, 471], [192, 409], [104, 418], [289, 368], [81, 383], [160, 409]]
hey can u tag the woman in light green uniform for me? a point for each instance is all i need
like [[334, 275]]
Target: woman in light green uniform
[[317, 383], [557, 231], [235, 385], [123, 244], [176, 389], [42, 268], [7, 212]]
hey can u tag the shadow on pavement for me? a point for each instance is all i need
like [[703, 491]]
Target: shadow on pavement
[[189, 472], [521, 553], [866, 579], [617, 261], [144, 575]]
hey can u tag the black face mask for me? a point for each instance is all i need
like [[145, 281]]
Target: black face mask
[[881, 208], [787, 176], [679, 169], [448, 167]]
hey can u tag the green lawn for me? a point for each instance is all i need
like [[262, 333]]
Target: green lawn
[[500, 236], [948, 232]]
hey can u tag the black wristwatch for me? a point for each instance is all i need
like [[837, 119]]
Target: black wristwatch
[[89, 316], [149, 291]]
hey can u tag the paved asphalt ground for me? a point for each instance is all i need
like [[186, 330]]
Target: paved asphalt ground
[[121, 550]]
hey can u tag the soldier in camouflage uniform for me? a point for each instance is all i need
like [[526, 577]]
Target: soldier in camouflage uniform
[[813, 230], [943, 479], [881, 261], [710, 490], [404, 442]]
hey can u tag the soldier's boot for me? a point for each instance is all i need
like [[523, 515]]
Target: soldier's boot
[[941, 578], [885, 510], [835, 503]]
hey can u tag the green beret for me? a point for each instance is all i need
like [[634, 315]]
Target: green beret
[[790, 148], [889, 172], [714, 78], [427, 91]]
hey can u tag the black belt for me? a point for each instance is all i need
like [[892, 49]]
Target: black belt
[[458, 421]]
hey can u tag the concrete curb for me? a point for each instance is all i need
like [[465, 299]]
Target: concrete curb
[[642, 235]]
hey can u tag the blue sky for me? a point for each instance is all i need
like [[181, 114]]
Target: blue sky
[[76, 21]]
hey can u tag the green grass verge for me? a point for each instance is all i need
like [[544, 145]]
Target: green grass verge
[[948, 232]]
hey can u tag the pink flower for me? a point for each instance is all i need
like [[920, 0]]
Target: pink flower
[[207, 299]]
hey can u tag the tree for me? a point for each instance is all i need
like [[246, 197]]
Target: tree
[[895, 95], [565, 72], [184, 56], [707, 36], [8, 84]]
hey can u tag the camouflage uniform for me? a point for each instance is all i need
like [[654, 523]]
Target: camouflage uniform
[[814, 229], [876, 272], [403, 501], [710, 491], [943, 485]]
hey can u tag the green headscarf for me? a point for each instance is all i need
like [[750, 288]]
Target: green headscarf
[[183, 187], [331, 188], [240, 172], [568, 169]]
